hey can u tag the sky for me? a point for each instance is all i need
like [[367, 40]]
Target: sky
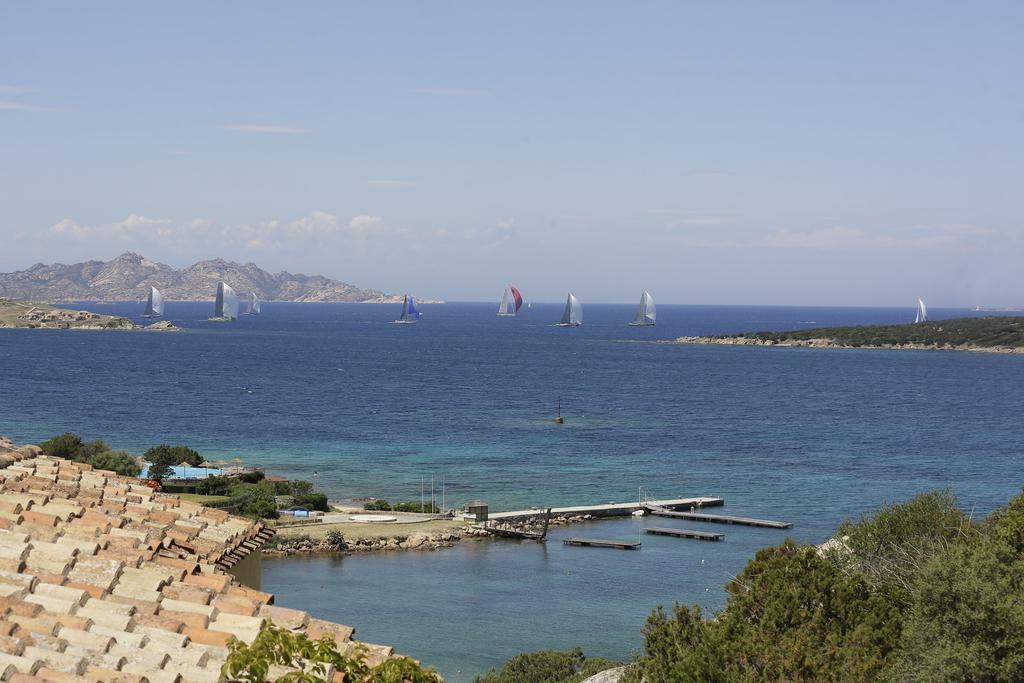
[[813, 153]]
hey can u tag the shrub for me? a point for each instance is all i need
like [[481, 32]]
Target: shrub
[[213, 486], [379, 504], [415, 506], [335, 538], [260, 503], [313, 501], [173, 455], [251, 477], [64, 446], [117, 461], [547, 666], [278, 646]]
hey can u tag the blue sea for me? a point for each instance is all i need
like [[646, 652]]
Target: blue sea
[[338, 394]]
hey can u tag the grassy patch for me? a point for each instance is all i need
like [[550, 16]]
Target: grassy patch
[[203, 500]]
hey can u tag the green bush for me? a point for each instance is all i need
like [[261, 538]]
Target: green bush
[[548, 666], [117, 461], [279, 646], [96, 453], [379, 504], [213, 486], [335, 538], [415, 506], [173, 455], [313, 501], [64, 446], [252, 477], [260, 503]]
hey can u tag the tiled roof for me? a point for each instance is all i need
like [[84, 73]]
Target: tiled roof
[[103, 579]]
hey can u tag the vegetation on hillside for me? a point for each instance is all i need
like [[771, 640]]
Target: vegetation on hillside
[[314, 661], [916, 592], [984, 332], [96, 453], [548, 666]]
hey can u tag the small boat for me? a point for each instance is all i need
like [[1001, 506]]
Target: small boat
[[645, 312], [511, 302], [226, 306], [573, 314], [254, 305], [154, 304], [922, 312], [410, 314]]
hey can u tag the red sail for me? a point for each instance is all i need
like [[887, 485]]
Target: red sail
[[518, 297]]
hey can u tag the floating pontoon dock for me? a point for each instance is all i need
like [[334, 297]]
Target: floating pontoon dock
[[603, 543], [662, 511], [611, 509], [685, 533]]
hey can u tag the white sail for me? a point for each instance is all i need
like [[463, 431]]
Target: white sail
[[645, 312], [226, 306], [154, 304], [505, 307], [922, 312], [573, 314], [254, 304]]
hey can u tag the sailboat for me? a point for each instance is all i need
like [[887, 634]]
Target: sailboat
[[226, 308], [410, 314], [922, 312], [511, 302], [645, 312], [154, 304], [573, 314], [254, 304]]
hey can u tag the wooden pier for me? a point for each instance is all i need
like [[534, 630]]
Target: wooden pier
[[659, 511], [603, 543], [685, 533], [610, 509]]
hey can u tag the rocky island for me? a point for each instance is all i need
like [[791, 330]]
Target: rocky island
[[129, 277], [993, 334], [29, 315]]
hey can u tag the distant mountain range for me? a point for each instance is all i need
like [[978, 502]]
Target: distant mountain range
[[129, 277]]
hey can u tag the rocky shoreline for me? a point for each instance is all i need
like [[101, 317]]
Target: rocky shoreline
[[825, 343], [304, 544]]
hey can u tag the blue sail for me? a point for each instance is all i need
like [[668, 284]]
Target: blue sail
[[414, 312]]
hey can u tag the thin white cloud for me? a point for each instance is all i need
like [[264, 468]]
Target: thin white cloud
[[441, 91], [7, 105], [264, 129], [961, 237], [390, 184], [706, 220]]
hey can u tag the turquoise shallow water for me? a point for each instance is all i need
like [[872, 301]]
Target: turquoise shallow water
[[336, 393]]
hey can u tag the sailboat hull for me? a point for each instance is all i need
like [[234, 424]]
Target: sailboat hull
[[405, 322], [640, 324], [568, 324], [506, 315]]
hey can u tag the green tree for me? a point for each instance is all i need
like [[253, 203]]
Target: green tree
[[312, 659], [260, 503], [174, 455], [548, 666], [966, 621], [889, 548], [64, 446], [121, 462], [313, 501], [791, 615]]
